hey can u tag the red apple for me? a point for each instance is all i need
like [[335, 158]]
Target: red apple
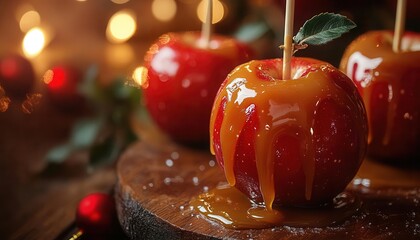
[[389, 83], [17, 75], [183, 79], [295, 142], [63, 86]]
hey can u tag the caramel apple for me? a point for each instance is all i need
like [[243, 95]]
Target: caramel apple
[[388, 80], [184, 72], [288, 132], [294, 142]]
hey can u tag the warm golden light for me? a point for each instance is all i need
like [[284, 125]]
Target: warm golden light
[[120, 1], [31, 103], [22, 9], [119, 55], [164, 10], [140, 76], [29, 19], [4, 100], [121, 26], [48, 76], [33, 42], [218, 11], [4, 103]]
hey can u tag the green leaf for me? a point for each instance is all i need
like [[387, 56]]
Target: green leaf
[[85, 132], [323, 28], [60, 153], [252, 31], [89, 87]]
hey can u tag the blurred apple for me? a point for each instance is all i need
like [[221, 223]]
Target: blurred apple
[[389, 83], [183, 78]]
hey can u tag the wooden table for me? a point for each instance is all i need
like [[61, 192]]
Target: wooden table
[[35, 204], [157, 179]]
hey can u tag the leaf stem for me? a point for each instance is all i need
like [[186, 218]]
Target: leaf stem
[[206, 27], [399, 25], [288, 39]]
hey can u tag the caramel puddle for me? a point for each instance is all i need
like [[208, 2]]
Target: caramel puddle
[[231, 208]]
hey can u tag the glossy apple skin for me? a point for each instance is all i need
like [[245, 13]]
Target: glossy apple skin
[[338, 133], [17, 75], [183, 79], [389, 84]]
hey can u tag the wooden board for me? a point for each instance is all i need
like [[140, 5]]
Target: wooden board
[[156, 182]]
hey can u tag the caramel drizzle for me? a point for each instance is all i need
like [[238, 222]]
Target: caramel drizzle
[[371, 48], [394, 88], [279, 110]]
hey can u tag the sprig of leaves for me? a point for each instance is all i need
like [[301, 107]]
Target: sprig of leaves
[[321, 29], [108, 133]]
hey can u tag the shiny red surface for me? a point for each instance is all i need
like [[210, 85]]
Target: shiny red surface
[[183, 80], [96, 215], [339, 132], [396, 80]]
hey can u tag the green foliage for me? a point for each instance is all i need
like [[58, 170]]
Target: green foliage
[[252, 31], [323, 28], [108, 133]]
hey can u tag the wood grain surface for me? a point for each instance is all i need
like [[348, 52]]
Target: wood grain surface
[[36, 201], [156, 181]]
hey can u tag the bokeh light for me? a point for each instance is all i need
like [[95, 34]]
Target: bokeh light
[[22, 9], [29, 20], [218, 11], [4, 100], [32, 101], [164, 10], [55, 78], [48, 76], [33, 42], [120, 1], [121, 26], [140, 76]]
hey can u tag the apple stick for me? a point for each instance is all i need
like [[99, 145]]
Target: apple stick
[[399, 25], [288, 39], [206, 27]]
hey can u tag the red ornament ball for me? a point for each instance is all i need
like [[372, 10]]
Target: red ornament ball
[[63, 86], [96, 215], [17, 75]]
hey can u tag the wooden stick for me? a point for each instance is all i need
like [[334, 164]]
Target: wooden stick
[[288, 39], [399, 25], [206, 27]]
